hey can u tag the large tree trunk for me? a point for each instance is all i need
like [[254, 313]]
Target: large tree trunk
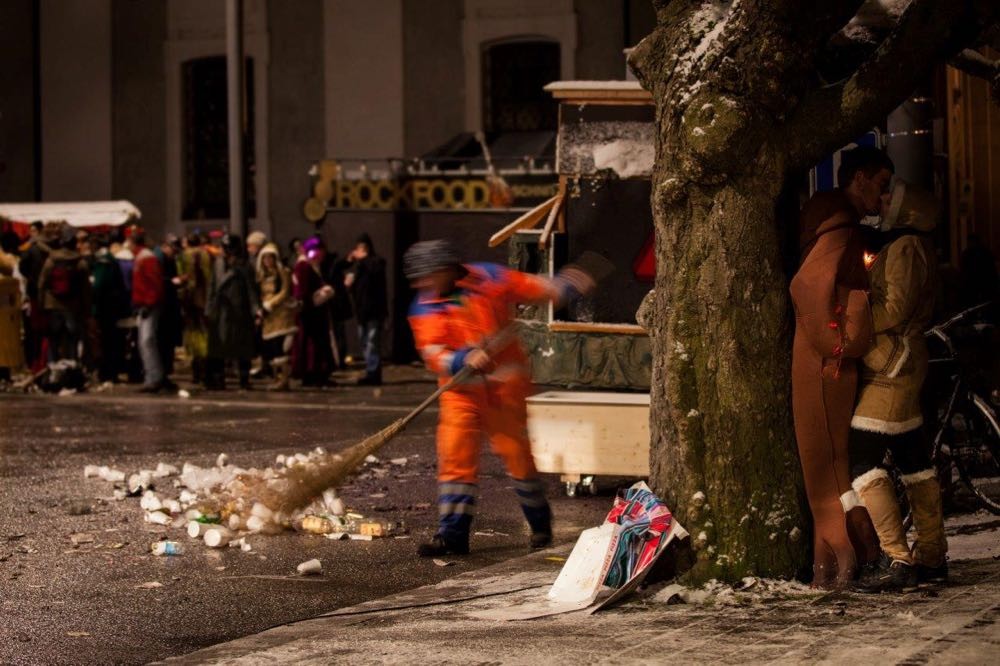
[[723, 450], [740, 112]]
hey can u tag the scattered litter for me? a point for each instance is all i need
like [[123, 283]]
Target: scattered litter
[[66, 392], [555, 558], [222, 460], [77, 634], [371, 459], [310, 567], [81, 538], [360, 537], [399, 461], [183, 393], [443, 563], [490, 533], [166, 548], [217, 537], [152, 585]]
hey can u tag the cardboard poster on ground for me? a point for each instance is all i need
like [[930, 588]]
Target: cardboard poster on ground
[[579, 582]]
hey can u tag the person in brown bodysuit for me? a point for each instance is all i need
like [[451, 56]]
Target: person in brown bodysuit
[[833, 328]]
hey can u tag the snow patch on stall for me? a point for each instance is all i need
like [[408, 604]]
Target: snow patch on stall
[[626, 147], [626, 158]]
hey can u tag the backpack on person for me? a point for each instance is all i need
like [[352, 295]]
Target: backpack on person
[[63, 280]]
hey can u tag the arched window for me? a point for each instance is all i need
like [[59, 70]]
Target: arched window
[[514, 75], [205, 156]]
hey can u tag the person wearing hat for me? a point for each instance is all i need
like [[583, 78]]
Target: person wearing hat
[[147, 300], [278, 328], [312, 354], [458, 310], [365, 280], [888, 414]]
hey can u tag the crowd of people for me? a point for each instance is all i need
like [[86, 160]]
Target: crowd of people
[[116, 306]]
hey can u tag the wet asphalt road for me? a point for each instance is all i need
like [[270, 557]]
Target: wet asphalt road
[[66, 603]]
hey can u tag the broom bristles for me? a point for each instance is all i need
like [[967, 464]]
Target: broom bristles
[[304, 483]]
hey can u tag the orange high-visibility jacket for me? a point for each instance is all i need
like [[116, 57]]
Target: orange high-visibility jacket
[[447, 328]]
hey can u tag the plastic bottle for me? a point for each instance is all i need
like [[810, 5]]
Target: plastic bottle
[[167, 548]]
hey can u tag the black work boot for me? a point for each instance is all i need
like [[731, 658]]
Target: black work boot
[[890, 577], [541, 540], [439, 546], [938, 574]]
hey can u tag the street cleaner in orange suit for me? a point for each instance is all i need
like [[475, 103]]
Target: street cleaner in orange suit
[[456, 317]]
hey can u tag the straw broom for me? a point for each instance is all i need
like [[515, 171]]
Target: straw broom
[[301, 484]]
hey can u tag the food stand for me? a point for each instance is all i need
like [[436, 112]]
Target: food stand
[[604, 157]]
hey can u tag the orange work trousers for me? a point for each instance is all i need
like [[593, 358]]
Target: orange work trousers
[[496, 411]]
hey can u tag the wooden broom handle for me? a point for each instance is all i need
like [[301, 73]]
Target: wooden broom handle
[[492, 346]]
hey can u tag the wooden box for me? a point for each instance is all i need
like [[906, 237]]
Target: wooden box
[[575, 433]]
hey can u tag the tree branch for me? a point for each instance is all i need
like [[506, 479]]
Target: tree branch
[[928, 32], [976, 64]]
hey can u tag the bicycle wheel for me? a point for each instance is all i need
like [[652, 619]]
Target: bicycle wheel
[[977, 452]]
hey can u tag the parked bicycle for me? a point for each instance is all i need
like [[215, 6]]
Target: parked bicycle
[[961, 420]]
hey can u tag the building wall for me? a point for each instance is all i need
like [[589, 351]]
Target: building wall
[[17, 117], [139, 107], [296, 118], [434, 73], [76, 99], [601, 39], [363, 62]]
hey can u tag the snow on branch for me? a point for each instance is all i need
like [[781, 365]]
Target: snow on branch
[[831, 116]]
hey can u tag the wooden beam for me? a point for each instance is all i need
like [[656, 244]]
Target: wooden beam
[[526, 221], [593, 327], [550, 223]]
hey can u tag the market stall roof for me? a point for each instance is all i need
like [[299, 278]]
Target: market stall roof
[[74, 213], [613, 91]]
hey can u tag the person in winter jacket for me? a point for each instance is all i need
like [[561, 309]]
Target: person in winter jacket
[[312, 358], [11, 351], [832, 329], [278, 322], [888, 415], [459, 310], [64, 291], [194, 268], [147, 301], [169, 330], [232, 308], [365, 280], [111, 305], [33, 258]]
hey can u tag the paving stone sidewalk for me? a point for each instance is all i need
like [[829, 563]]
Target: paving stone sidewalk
[[958, 623]]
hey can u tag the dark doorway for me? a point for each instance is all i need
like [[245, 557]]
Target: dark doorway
[[205, 144], [514, 75]]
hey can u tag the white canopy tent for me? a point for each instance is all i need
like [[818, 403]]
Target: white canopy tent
[[74, 213]]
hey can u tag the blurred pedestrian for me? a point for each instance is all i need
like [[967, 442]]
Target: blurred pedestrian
[[195, 275], [255, 241], [11, 351], [312, 356], [365, 279], [147, 299], [334, 271], [32, 259], [111, 304], [169, 329], [279, 310], [64, 289], [232, 308]]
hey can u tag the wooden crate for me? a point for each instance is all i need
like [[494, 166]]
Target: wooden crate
[[575, 433]]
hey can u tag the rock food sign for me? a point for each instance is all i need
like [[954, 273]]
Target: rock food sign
[[389, 185]]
